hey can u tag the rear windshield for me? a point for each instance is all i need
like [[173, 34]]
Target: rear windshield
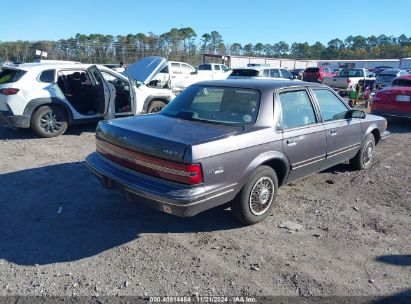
[[351, 73], [245, 72], [401, 83], [205, 67], [7, 75], [312, 70], [218, 105]]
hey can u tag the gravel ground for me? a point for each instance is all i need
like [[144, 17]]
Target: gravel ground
[[61, 233]]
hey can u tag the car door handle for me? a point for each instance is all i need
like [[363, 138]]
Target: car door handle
[[291, 142], [333, 132], [173, 76]]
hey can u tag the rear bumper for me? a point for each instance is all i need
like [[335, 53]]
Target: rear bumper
[[391, 114], [312, 79], [14, 121], [169, 197]]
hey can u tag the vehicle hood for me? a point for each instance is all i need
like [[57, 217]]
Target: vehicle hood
[[161, 136], [146, 69]]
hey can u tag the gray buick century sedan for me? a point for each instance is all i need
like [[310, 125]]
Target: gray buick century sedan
[[232, 141]]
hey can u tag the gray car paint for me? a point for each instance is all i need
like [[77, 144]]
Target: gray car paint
[[233, 152]]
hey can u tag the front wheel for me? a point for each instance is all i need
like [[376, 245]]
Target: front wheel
[[256, 199], [155, 106], [49, 121], [363, 159]]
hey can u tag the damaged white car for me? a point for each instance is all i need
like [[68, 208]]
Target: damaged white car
[[49, 97]]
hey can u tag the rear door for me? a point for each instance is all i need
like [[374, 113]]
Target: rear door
[[343, 135], [304, 139], [104, 96]]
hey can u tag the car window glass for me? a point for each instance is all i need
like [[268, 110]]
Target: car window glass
[[286, 74], [216, 67], [187, 69], [224, 68], [226, 105], [108, 77], [275, 73], [331, 107], [8, 76], [175, 68], [204, 67], [47, 76], [266, 73], [164, 70], [296, 110], [245, 73], [96, 76]]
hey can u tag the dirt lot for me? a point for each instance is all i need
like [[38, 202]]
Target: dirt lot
[[61, 233]]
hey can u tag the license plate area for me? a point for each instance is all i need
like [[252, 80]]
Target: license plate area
[[403, 98]]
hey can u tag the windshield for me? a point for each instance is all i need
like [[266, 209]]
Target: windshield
[[245, 72], [401, 83], [212, 104], [8, 76], [351, 73], [312, 70]]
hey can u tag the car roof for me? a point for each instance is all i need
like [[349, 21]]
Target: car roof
[[259, 68], [259, 84], [41, 66], [390, 71], [406, 77]]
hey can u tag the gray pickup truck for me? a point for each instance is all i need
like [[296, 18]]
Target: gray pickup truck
[[232, 141]]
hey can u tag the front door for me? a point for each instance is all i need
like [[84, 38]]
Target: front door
[[343, 134], [177, 78], [304, 140], [104, 99]]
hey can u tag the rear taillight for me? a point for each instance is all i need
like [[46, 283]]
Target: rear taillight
[[181, 173], [9, 91], [348, 81], [196, 174]]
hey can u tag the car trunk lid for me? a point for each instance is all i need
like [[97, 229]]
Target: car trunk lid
[[160, 136]]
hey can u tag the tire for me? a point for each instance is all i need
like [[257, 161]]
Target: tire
[[155, 106], [364, 157], [49, 121], [263, 185]]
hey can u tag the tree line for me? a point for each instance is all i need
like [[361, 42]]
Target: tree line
[[184, 44]]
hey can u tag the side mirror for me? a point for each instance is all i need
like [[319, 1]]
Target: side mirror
[[295, 77], [356, 114], [154, 83], [194, 72]]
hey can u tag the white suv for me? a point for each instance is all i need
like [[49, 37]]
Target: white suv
[[48, 97]]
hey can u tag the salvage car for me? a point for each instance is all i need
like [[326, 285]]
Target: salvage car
[[48, 97], [387, 76], [173, 75], [314, 74], [236, 144], [394, 100], [260, 72]]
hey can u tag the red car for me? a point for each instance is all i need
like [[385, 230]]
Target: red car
[[316, 74], [394, 100]]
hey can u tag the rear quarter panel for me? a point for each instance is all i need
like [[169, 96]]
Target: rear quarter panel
[[229, 162]]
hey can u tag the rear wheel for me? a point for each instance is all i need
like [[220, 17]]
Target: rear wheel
[[256, 199], [49, 121], [363, 159], [155, 106]]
